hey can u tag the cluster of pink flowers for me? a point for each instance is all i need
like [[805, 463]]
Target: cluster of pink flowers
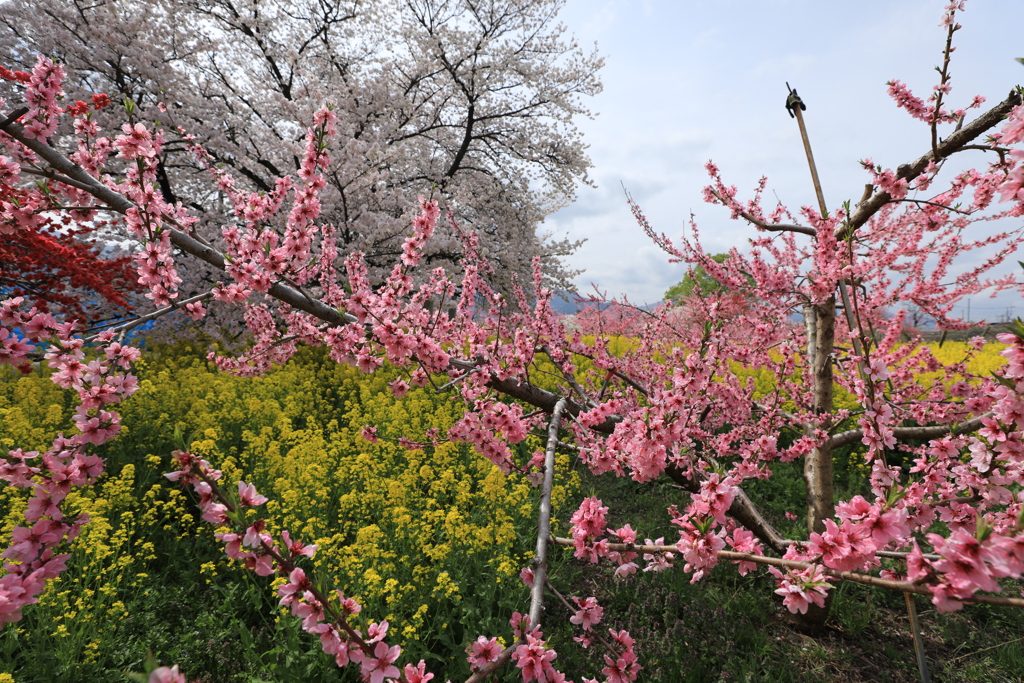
[[45, 89], [699, 546], [534, 661], [490, 429], [146, 220], [659, 561], [32, 558], [623, 560], [588, 528], [968, 563], [846, 547], [1012, 188], [905, 99], [166, 674], [743, 541], [422, 228], [482, 652], [533, 657], [800, 588], [624, 667], [588, 614]]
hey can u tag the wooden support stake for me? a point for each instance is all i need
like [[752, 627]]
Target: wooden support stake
[[915, 626]]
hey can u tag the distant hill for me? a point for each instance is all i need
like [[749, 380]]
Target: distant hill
[[565, 303]]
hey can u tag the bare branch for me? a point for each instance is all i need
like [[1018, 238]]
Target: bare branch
[[904, 433], [540, 562], [764, 225], [570, 379], [141, 320], [57, 177]]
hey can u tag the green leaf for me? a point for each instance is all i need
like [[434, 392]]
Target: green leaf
[[1004, 381], [179, 441], [150, 663], [703, 524], [895, 494]]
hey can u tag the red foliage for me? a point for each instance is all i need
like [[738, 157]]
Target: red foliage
[[17, 76], [58, 268]]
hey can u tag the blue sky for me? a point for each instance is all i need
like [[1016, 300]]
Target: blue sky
[[686, 81]]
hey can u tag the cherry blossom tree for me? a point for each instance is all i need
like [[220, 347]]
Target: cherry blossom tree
[[472, 103], [943, 512]]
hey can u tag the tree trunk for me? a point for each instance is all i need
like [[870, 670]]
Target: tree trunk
[[818, 464]]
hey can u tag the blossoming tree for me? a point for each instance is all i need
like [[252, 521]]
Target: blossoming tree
[[675, 403], [476, 103]]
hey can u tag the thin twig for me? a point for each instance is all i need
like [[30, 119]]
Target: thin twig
[[50, 175], [764, 225], [570, 379], [561, 598], [457, 380], [141, 320], [925, 201], [74, 208], [855, 577], [971, 654]]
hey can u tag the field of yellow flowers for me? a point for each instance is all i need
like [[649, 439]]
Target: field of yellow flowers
[[430, 539]]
